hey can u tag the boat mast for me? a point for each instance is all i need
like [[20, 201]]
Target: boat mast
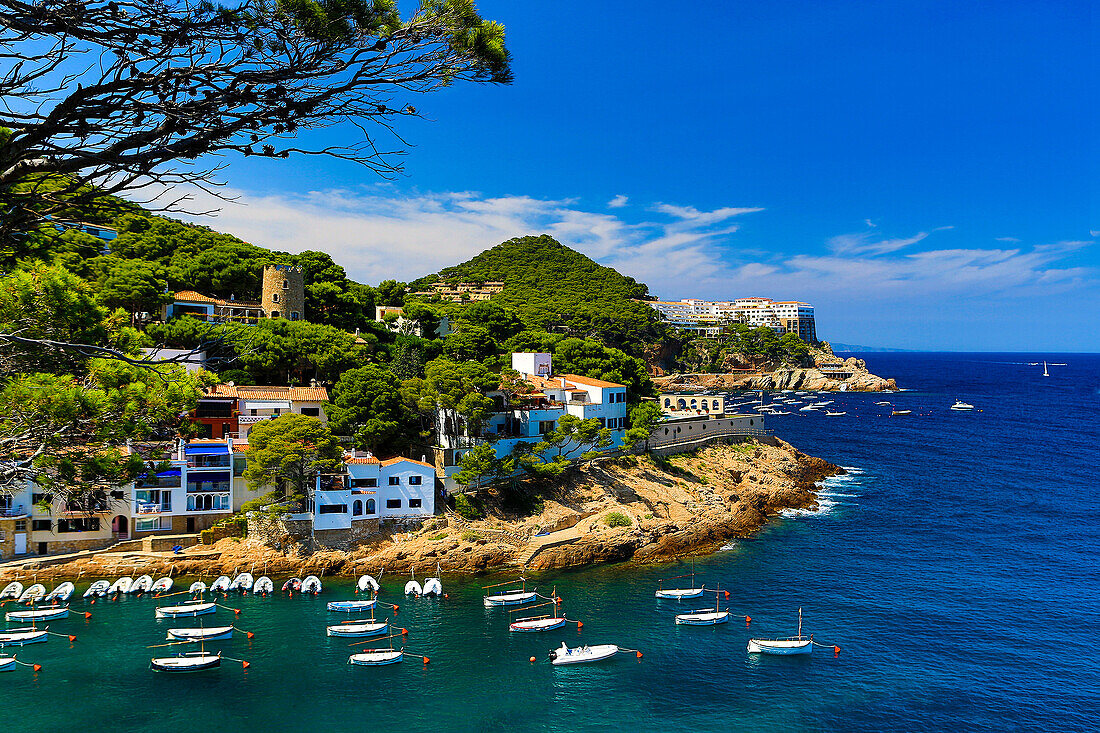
[[800, 622]]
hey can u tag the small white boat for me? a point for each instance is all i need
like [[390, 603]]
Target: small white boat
[[122, 585], [292, 585], [433, 587], [412, 588], [198, 587], [12, 590], [366, 583], [263, 586], [141, 585], [312, 584], [535, 624], [242, 583], [962, 406], [376, 657], [201, 634], [221, 585], [98, 589], [61, 593], [582, 654], [33, 594], [679, 593], [163, 585], [7, 664], [830, 413], [38, 614], [186, 662], [703, 617], [23, 635], [901, 413], [356, 629], [510, 598], [1046, 372], [351, 606], [883, 403], [784, 647], [187, 609], [807, 408]]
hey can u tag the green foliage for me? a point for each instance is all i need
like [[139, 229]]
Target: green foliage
[[470, 535], [135, 285], [643, 421], [479, 463], [366, 403], [468, 508], [288, 452], [571, 439], [617, 519]]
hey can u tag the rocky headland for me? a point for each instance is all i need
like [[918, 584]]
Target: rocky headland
[[633, 508]]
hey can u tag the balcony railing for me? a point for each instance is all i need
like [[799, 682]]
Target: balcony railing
[[151, 508], [14, 511], [209, 462], [207, 486]]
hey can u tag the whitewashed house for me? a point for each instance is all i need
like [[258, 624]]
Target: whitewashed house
[[372, 489]]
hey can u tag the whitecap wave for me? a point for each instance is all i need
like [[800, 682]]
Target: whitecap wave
[[824, 506], [731, 545]]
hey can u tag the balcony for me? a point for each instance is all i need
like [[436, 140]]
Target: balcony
[[206, 487], [203, 462], [146, 508], [13, 512], [209, 502], [253, 419]]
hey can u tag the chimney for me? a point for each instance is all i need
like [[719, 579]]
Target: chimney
[[562, 382], [313, 383]]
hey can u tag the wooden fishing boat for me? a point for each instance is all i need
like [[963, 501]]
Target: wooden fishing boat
[[12, 590], [582, 654], [187, 609], [679, 594], [33, 594], [366, 583], [263, 586], [142, 585], [186, 662], [376, 657], [38, 614], [509, 597], [351, 606], [7, 664], [163, 585], [354, 629], [221, 585], [61, 593], [703, 617], [99, 588], [312, 584], [901, 413], [122, 585], [537, 623], [292, 585], [784, 647], [24, 635], [201, 634], [198, 587], [242, 583]]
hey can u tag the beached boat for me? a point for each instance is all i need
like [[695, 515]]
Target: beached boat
[[198, 587], [221, 585], [784, 647], [7, 664], [184, 610], [12, 590], [33, 594], [38, 614], [312, 584], [122, 585], [582, 654], [201, 634], [366, 583], [24, 635], [962, 406], [263, 586], [99, 589], [376, 657], [186, 662], [163, 585], [141, 585], [357, 629], [292, 585], [351, 606], [61, 593], [537, 623], [242, 583]]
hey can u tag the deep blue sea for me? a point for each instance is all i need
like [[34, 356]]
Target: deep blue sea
[[956, 566]]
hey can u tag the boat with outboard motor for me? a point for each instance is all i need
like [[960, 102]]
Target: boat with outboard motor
[[61, 593], [221, 585], [242, 583], [12, 590], [312, 584], [292, 585], [98, 589], [33, 594], [142, 585], [961, 406], [263, 586], [122, 585], [582, 654], [163, 585]]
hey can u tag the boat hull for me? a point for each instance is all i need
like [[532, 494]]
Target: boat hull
[[99, 588], [185, 664], [583, 655], [197, 609], [508, 599], [545, 624], [7, 664], [214, 632], [48, 614], [780, 647], [351, 606], [357, 631], [703, 619], [677, 595], [376, 659], [19, 637]]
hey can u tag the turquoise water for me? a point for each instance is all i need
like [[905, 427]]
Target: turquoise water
[[955, 567]]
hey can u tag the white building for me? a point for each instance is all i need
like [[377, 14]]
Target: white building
[[233, 410], [369, 488], [525, 418], [710, 317]]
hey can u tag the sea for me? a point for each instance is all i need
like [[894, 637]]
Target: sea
[[954, 565]]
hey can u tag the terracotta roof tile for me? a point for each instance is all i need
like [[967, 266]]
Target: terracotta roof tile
[[391, 461], [588, 381], [360, 460], [194, 297], [260, 392]]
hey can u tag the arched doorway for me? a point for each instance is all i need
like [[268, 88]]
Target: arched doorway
[[120, 525]]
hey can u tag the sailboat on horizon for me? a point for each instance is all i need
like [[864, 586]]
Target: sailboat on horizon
[[1046, 372]]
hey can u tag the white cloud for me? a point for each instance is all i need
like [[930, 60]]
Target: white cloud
[[867, 243], [618, 202]]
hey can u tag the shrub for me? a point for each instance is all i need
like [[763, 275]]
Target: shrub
[[468, 509], [436, 537], [470, 536], [206, 536], [617, 519]]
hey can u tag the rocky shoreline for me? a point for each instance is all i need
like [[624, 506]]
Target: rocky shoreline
[[692, 503], [813, 379]]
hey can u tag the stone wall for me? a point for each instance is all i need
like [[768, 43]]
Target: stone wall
[[279, 533], [7, 538], [64, 546]]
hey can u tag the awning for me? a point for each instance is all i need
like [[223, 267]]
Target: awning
[[265, 405], [206, 449], [173, 472]]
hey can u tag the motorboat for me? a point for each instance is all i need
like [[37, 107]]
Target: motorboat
[[186, 662], [263, 586], [33, 594], [12, 590], [962, 406], [831, 413], [141, 585], [122, 585], [197, 588], [221, 585], [199, 608], [351, 606], [312, 584], [292, 585], [98, 589], [900, 413], [201, 634], [433, 587], [38, 614], [412, 588], [884, 403], [24, 635], [582, 654], [358, 629], [61, 593], [242, 583], [163, 585], [807, 408], [366, 584]]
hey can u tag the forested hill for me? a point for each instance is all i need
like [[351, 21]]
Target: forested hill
[[555, 288]]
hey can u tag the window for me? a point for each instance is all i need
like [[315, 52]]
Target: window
[[41, 525], [295, 315], [240, 463], [359, 483], [311, 411], [395, 481], [152, 525], [393, 503], [357, 509], [545, 426], [286, 285], [40, 498], [20, 525], [274, 297], [415, 480], [370, 506], [415, 503], [86, 524], [332, 509]]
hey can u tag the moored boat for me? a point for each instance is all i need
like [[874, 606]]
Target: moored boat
[[703, 617], [356, 629], [433, 587], [900, 413], [201, 634], [7, 664], [366, 583], [376, 657], [242, 583], [292, 585], [784, 647], [186, 662], [61, 593], [351, 606], [38, 614], [312, 584], [187, 609], [23, 635], [163, 585], [962, 406], [412, 588], [221, 585], [12, 590], [33, 594], [831, 413], [263, 586], [198, 587], [582, 654], [141, 585], [509, 598], [537, 623], [99, 589], [122, 585]]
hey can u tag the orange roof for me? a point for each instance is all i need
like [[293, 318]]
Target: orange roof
[[360, 460], [589, 381], [239, 447], [194, 297], [255, 392], [391, 461]]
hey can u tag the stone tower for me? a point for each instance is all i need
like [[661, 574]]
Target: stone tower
[[284, 292]]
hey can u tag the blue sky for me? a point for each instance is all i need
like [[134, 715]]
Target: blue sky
[[924, 173]]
